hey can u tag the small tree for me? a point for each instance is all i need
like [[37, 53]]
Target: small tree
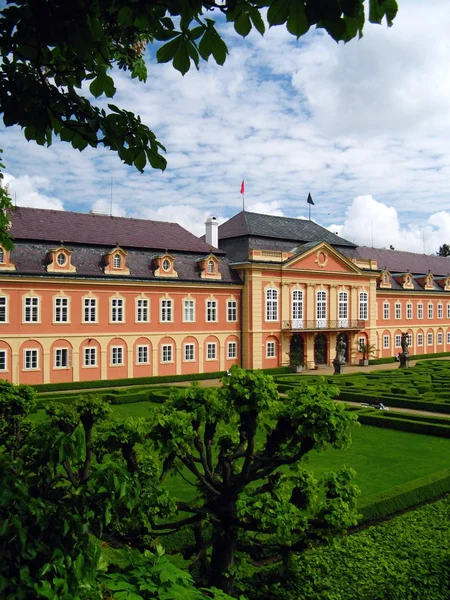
[[367, 350], [241, 448], [444, 250]]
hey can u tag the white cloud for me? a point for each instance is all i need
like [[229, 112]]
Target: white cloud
[[26, 191]]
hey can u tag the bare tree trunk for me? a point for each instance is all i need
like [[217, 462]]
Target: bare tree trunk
[[222, 559]]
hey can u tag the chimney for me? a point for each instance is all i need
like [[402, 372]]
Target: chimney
[[212, 231]]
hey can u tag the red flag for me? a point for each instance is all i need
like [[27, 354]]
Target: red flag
[[242, 187]]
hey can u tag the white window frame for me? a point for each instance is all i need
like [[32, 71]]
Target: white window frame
[[90, 356], [398, 340], [3, 361], [143, 354], [361, 342], [297, 309], [89, 310], [3, 309], [188, 310], [386, 341], [398, 310], [420, 310], [167, 353], [211, 267], [440, 310], [439, 338], [142, 310], [321, 308], [386, 311], [420, 339], [363, 306], [117, 261], [448, 310], [117, 308], [430, 338], [448, 337], [430, 310], [61, 358], [117, 356], [211, 351], [231, 350], [271, 349], [61, 309], [410, 339], [211, 311], [166, 310], [271, 304], [343, 309], [189, 352], [2, 256], [409, 310], [31, 359], [32, 312], [231, 311]]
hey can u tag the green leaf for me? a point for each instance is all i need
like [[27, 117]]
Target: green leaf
[[167, 52], [139, 162], [257, 20], [242, 24], [278, 12], [181, 60], [297, 23], [102, 84]]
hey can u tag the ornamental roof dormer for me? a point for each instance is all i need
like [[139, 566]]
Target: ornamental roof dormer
[[5, 260], [385, 280], [164, 266], [408, 283], [116, 262], [60, 260], [429, 282], [209, 267]]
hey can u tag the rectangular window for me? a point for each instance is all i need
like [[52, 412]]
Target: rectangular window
[[117, 310], [409, 310], [166, 312], [398, 341], [270, 349], [142, 355], [361, 343], [3, 364], [90, 310], [420, 339], [231, 310], [439, 338], [386, 310], [189, 352], [429, 339], [440, 311], [385, 341], [448, 337], [31, 310], [90, 357], [3, 309], [430, 311], [189, 311], [321, 307], [363, 306], [117, 355], [232, 350], [31, 359], [271, 305], [211, 310], [142, 310], [61, 310], [448, 311], [297, 308], [342, 306], [398, 310], [410, 339], [420, 310], [61, 358], [166, 353], [211, 352]]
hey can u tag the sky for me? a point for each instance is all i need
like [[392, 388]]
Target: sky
[[364, 127]]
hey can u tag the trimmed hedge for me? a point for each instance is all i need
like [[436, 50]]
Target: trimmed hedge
[[403, 424], [406, 496], [391, 359], [155, 395], [394, 401]]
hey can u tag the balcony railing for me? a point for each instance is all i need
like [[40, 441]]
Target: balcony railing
[[319, 324]]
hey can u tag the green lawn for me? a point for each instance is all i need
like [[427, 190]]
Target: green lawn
[[382, 458]]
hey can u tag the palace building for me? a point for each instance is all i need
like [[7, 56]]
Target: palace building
[[89, 296]]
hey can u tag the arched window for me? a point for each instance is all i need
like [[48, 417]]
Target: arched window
[[211, 266], [117, 261]]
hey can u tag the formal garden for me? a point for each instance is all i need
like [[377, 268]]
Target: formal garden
[[156, 491]]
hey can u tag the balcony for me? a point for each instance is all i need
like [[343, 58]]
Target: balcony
[[321, 324]]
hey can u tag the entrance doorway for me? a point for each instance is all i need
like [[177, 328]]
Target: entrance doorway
[[320, 349], [297, 348]]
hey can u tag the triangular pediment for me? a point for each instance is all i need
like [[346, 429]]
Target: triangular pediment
[[321, 258]]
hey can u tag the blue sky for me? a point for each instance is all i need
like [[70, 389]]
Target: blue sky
[[363, 127]]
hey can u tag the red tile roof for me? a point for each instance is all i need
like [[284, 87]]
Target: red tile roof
[[86, 228]]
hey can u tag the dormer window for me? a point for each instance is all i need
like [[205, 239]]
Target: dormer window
[[60, 261], [385, 279], [211, 267], [116, 262], [164, 266], [429, 285]]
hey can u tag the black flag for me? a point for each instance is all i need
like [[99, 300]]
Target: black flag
[[310, 200]]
